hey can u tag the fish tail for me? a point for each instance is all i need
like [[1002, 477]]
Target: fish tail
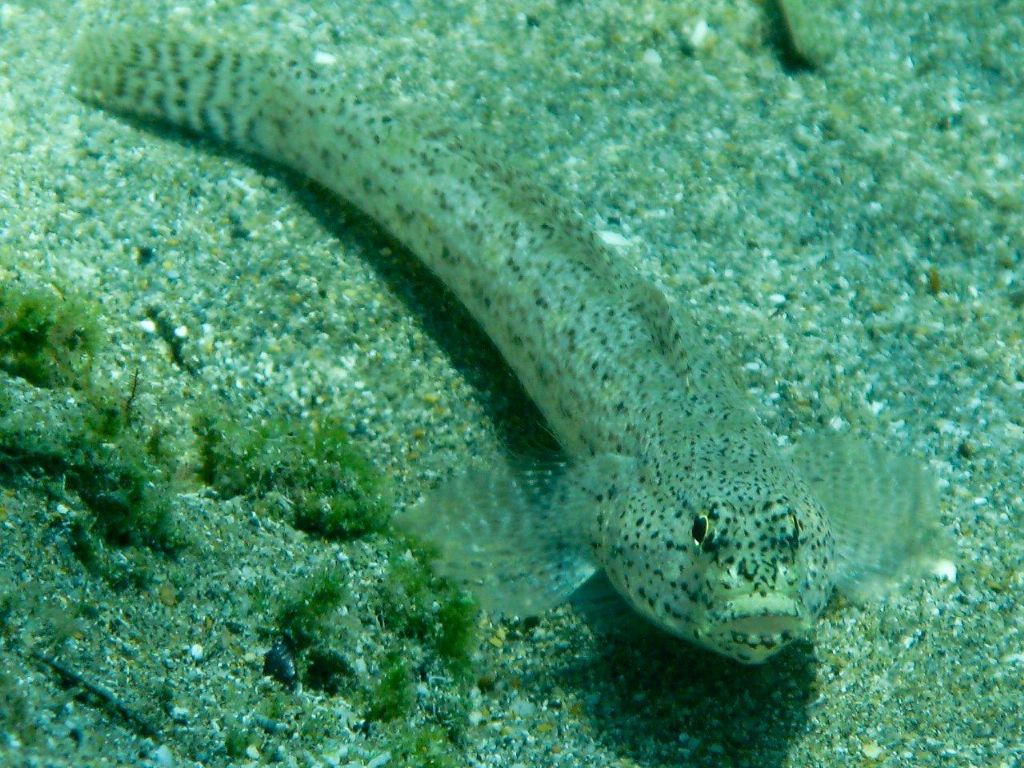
[[173, 76]]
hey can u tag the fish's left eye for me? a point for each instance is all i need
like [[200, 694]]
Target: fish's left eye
[[798, 527]]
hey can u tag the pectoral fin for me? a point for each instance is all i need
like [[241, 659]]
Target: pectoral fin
[[515, 536], [883, 510]]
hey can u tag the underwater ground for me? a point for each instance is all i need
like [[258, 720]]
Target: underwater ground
[[216, 382]]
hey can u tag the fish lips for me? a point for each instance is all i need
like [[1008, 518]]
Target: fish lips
[[754, 627]]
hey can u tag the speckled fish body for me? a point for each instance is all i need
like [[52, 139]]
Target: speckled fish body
[[673, 488]]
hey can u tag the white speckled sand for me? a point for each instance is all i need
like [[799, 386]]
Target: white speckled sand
[[855, 231]]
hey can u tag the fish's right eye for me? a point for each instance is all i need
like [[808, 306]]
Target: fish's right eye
[[699, 531]]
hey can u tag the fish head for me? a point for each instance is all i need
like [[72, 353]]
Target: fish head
[[738, 573], [762, 571]]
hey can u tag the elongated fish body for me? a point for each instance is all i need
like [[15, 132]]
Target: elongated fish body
[[672, 487]]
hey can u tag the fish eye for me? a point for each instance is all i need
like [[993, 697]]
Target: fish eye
[[699, 531]]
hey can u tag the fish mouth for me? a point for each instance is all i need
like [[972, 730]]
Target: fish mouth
[[755, 627]]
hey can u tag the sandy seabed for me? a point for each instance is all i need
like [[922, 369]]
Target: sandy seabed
[[853, 231]]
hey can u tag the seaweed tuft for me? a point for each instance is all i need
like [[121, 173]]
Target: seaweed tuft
[[424, 747], [305, 615], [394, 696], [324, 485], [417, 604], [307, 622], [55, 422], [46, 338]]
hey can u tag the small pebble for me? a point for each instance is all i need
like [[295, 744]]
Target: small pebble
[[523, 707], [700, 35], [162, 756], [809, 34], [872, 750], [945, 570], [167, 594], [612, 238]]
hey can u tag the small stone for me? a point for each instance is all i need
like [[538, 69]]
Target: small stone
[[700, 35], [652, 58], [945, 570], [872, 750], [498, 638], [162, 756], [167, 594], [808, 34], [613, 238], [523, 707]]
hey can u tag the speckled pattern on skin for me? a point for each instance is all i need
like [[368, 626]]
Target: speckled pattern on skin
[[675, 489]]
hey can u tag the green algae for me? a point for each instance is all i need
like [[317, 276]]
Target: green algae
[[417, 604], [88, 442], [425, 747], [412, 604], [393, 696], [110, 470], [47, 338], [15, 710], [423, 627], [305, 616], [65, 427], [328, 487], [237, 741], [308, 620]]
